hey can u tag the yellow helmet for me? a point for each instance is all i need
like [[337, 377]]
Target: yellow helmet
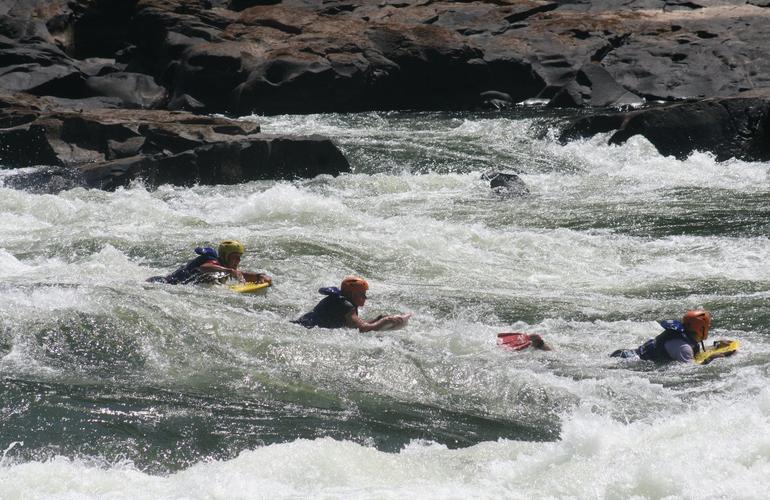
[[697, 323], [229, 246]]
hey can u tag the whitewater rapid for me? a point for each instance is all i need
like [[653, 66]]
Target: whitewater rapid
[[116, 388]]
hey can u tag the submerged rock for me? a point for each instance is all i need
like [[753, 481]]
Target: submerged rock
[[493, 99], [506, 183], [45, 180]]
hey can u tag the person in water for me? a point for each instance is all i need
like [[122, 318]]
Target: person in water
[[679, 341], [538, 342], [516, 341], [210, 262], [339, 309]]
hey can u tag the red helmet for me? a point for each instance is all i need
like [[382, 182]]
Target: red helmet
[[353, 284], [697, 323]]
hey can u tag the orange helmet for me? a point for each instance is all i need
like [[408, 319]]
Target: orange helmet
[[353, 284], [697, 323]]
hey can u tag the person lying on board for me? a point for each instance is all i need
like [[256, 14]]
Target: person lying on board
[[679, 341], [339, 309], [209, 263], [516, 341]]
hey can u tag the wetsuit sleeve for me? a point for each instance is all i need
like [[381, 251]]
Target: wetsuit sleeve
[[210, 261], [679, 350]]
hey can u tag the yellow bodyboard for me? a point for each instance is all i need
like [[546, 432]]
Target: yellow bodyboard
[[719, 349], [250, 287]]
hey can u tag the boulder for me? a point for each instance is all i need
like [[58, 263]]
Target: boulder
[[135, 90], [734, 127], [303, 56], [56, 79], [493, 99], [594, 86], [106, 148], [505, 183], [231, 162]]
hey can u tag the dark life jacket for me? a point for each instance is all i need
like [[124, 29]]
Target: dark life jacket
[[330, 312], [654, 349], [190, 272]]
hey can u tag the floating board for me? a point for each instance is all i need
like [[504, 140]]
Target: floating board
[[514, 341], [719, 349], [250, 287], [391, 326]]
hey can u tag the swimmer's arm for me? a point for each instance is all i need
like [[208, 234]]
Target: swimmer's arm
[[353, 320]]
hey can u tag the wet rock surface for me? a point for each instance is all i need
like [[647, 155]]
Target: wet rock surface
[[303, 56], [106, 148], [735, 127], [506, 183]]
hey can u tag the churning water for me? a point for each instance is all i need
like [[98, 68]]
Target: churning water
[[111, 387]]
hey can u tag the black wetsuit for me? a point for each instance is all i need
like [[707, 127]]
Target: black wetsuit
[[190, 272], [331, 312], [656, 349]]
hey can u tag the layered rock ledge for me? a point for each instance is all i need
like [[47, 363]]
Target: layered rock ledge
[[107, 148], [305, 56]]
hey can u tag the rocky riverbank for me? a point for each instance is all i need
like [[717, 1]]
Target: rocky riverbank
[[107, 148], [135, 70]]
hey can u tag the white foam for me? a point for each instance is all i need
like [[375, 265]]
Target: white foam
[[716, 449], [432, 239]]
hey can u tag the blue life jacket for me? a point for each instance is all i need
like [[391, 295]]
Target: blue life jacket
[[190, 272], [330, 312], [654, 349]]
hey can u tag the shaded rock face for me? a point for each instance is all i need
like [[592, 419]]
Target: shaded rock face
[[133, 89], [277, 59], [227, 162], [302, 56], [99, 120], [106, 148], [737, 127], [594, 86]]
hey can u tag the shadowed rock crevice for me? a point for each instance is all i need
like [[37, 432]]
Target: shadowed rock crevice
[[525, 14], [103, 29], [613, 43]]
